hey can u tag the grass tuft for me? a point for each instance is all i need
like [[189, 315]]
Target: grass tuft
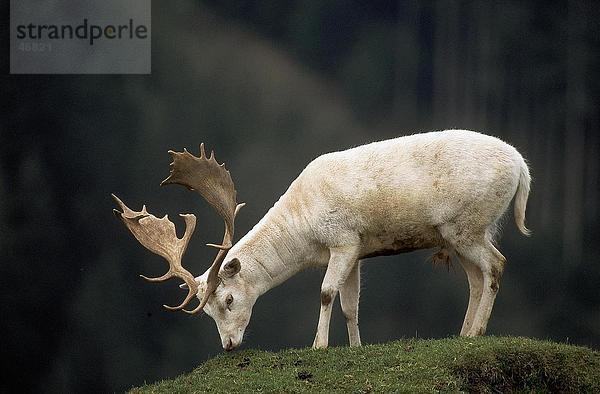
[[486, 364]]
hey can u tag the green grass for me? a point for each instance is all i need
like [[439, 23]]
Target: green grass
[[485, 364]]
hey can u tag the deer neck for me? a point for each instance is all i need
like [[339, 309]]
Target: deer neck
[[275, 249]]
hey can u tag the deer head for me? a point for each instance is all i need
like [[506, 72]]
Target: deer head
[[213, 182]]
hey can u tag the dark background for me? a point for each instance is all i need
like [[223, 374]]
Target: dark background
[[270, 86]]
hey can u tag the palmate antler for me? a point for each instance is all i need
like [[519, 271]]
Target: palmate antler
[[212, 180], [204, 175], [158, 236]]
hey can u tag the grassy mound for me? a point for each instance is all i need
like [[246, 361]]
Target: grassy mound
[[487, 364]]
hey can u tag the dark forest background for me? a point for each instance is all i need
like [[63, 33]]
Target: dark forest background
[[270, 86]]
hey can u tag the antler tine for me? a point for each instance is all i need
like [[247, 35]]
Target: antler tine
[[229, 230], [159, 236], [213, 182]]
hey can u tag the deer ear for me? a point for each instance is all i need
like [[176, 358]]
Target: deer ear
[[232, 267]]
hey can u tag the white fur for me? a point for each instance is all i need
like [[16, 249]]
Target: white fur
[[441, 189]]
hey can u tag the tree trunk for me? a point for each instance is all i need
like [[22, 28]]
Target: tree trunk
[[574, 137]]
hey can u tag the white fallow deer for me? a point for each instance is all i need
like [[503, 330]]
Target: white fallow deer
[[443, 190]]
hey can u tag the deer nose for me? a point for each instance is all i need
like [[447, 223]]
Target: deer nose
[[229, 346]]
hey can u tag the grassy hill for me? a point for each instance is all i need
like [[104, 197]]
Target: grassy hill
[[487, 364]]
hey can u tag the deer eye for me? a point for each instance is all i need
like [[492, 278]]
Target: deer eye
[[229, 300]]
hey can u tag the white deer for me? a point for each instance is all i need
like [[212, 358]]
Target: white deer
[[444, 189]]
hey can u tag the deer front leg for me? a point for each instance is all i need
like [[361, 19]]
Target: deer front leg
[[341, 262], [349, 296]]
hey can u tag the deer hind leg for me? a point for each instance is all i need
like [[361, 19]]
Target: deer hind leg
[[486, 264], [349, 298], [491, 263], [475, 277], [341, 262], [492, 273]]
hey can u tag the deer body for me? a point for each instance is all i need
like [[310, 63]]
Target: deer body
[[442, 189]]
